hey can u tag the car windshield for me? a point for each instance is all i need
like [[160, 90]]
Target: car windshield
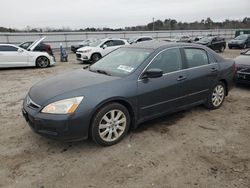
[[241, 37], [131, 40], [25, 45], [96, 43], [246, 53], [121, 62], [206, 39]]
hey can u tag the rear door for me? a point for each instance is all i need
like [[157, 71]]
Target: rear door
[[202, 70], [160, 95], [11, 56]]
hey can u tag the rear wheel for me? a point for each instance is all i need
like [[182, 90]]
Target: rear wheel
[[42, 62], [95, 58], [216, 96], [110, 124]]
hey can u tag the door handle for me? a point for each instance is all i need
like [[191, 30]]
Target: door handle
[[213, 69], [180, 78]]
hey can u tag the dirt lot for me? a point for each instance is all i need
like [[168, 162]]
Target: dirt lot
[[197, 148]]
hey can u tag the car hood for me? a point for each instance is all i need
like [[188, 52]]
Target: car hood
[[35, 44], [54, 87], [86, 48], [203, 43], [243, 60]]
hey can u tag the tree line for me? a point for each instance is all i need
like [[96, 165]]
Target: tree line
[[167, 24]]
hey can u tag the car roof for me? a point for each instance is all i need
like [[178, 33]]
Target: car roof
[[156, 44], [2, 44]]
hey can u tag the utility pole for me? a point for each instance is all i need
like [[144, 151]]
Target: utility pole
[[153, 24]]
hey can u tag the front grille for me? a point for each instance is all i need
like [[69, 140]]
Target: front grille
[[78, 55]]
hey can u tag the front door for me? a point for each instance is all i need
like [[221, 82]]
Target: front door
[[11, 56], [159, 95]]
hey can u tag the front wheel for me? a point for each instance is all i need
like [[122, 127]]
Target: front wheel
[[216, 96], [110, 124], [42, 62], [95, 58]]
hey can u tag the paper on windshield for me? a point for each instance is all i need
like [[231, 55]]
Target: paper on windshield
[[125, 68]]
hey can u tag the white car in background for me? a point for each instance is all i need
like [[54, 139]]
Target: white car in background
[[98, 49], [134, 40], [15, 56]]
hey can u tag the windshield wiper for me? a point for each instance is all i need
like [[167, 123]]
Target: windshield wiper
[[101, 72]]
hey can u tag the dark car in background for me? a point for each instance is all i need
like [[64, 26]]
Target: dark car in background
[[42, 47], [241, 41], [243, 67], [74, 48], [213, 42], [129, 86]]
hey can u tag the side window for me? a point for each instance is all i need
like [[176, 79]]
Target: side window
[[8, 49], [118, 42], [109, 43], [168, 61], [146, 39], [211, 58], [196, 57]]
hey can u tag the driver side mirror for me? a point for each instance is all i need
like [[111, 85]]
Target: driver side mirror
[[152, 73], [20, 50], [104, 46]]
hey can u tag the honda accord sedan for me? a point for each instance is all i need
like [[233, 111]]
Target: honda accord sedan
[[129, 86]]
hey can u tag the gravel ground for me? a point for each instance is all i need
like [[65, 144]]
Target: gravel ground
[[196, 148]]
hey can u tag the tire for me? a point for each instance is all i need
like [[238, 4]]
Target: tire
[[244, 46], [95, 58], [230, 47], [42, 62], [222, 49], [216, 96], [107, 131]]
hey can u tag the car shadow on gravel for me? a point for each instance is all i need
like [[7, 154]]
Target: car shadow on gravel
[[161, 124], [243, 86]]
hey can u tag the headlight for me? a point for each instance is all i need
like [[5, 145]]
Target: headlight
[[86, 51], [66, 106]]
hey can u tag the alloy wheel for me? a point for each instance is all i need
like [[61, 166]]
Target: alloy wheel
[[112, 125], [218, 95], [43, 62]]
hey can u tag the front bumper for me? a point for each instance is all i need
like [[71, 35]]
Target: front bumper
[[235, 45], [243, 76], [60, 127], [82, 57]]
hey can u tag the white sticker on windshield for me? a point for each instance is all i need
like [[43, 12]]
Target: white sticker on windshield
[[125, 68]]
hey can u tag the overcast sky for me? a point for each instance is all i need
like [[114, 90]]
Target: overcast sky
[[114, 13]]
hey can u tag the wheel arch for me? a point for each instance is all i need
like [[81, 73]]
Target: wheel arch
[[224, 81], [40, 57], [94, 54], [121, 101]]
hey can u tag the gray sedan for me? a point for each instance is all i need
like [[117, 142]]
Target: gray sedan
[[243, 67], [127, 87]]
